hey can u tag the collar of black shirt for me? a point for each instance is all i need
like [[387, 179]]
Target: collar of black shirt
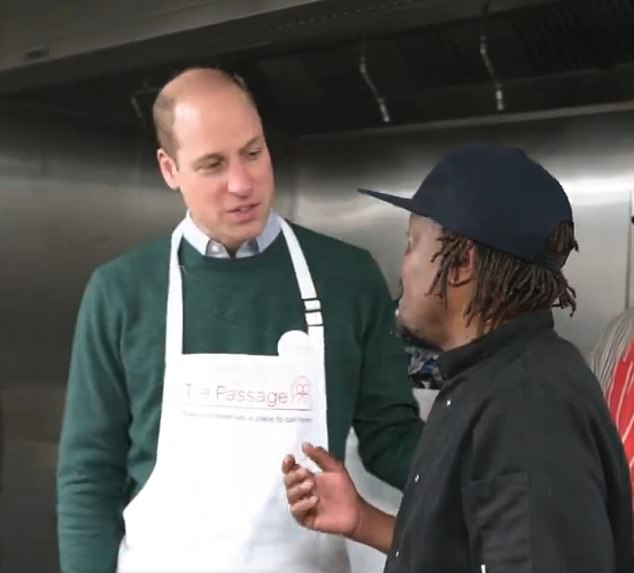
[[453, 362]]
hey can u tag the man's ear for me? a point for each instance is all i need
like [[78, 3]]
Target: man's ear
[[169, 169], [463, 271]]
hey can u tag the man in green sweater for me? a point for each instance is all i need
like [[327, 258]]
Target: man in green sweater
[[203, 357]]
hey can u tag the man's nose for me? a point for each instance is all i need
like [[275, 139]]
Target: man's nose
[[239, 179]]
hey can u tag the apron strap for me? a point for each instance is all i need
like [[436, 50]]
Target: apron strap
[[312, 305], [174, 316]]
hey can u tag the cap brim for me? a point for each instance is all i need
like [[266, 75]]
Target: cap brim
[[402, 202]]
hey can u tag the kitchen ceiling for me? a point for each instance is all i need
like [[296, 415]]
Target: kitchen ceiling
[[371, 64]]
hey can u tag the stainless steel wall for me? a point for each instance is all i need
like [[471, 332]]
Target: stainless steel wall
[[70, 198], [592, 155], [73, 195]]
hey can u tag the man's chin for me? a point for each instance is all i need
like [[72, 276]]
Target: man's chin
[[411, 338], [250, 230]]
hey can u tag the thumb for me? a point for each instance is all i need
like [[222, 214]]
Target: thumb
[[322, 458]]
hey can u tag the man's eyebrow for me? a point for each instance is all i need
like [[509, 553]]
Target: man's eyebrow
[[256, 139], [207, 158]]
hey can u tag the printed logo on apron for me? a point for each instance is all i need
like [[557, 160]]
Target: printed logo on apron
[[215, 500]]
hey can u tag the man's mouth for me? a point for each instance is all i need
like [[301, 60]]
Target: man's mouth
[[244, 208], [244, 213]]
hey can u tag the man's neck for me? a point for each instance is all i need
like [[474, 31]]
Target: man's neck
[[230, 246], [207, 243], [463, 332]]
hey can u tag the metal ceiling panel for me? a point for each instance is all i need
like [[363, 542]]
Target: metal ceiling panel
[[33, 29], [418, 67], [42, 42]]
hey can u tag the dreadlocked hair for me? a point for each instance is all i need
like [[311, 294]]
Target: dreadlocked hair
[[505, 285]]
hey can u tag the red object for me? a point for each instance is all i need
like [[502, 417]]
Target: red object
[[620, 399]]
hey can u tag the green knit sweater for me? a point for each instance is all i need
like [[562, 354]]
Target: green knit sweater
[[113, 404]]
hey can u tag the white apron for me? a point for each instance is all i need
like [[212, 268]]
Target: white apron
[[215, 500]]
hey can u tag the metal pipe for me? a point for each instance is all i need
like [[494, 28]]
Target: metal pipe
[[134, 100], [484, 53], [363, 68]]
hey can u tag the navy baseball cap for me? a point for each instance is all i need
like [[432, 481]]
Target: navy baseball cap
[[495, 196]]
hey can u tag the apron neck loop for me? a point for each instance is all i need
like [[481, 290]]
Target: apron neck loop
[[174, 316], [312, 305]]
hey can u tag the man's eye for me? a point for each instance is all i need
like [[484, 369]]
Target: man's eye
[[253, 153]]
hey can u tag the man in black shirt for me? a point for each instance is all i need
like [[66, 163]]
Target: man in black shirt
[[520, 468]]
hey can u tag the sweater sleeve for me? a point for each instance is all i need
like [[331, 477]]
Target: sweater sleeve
[[93, 446], [387, 421]]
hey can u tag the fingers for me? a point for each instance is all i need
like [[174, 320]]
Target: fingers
[[300, 487], [300, 491], [296, 475], [288, 464], [302, 507], [321, 457]]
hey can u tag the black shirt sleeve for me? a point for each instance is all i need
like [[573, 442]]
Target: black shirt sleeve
[[534, 491]]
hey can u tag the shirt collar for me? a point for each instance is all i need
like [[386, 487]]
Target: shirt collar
[[453, 362], [210, 248]]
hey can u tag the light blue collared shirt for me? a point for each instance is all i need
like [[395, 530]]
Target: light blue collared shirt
[[210, 248]]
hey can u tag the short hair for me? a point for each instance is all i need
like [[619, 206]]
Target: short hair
[[163, 107], [506, 286]]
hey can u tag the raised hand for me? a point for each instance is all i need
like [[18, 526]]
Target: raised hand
[[326, 502]]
